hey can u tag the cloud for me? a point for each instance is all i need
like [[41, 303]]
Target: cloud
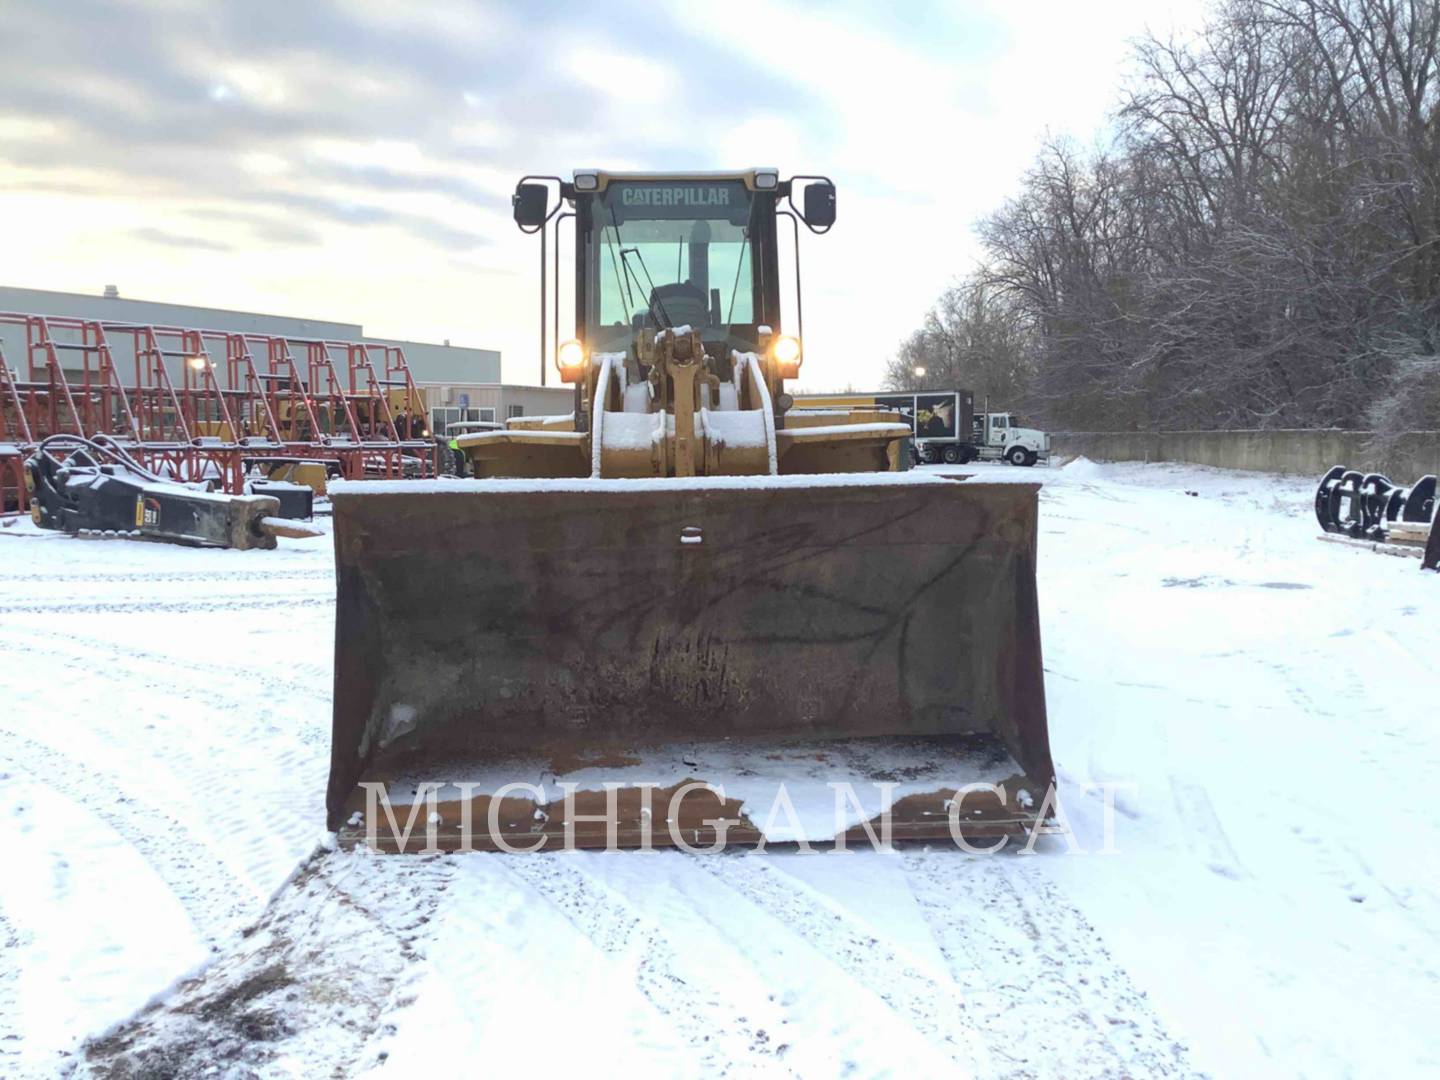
[[375, 144], [344, 212], [169, 239], [272, 229], [233, 101]]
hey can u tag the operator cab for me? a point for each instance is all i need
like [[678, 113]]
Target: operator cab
[[666, 254], [657, 252]]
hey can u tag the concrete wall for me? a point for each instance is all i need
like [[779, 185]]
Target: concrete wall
[[1298, 452]]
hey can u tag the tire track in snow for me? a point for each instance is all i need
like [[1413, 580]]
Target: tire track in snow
[[311, 681], [1342, 866], [218, 902], [828, 1020], [727, 1043], [399, 903], [1037, 979], [308, 991], [189, 577], [191, 763], [10, 1034], [1206, 835], [930, 1005], [176, 607], [205, 760]]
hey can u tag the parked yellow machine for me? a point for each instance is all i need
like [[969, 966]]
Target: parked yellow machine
[[687, 600]]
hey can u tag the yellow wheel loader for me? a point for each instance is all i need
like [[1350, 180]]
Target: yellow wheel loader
[[688, 613]]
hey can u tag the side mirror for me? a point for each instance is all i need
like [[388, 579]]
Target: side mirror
[[820, 205], [530, 202]]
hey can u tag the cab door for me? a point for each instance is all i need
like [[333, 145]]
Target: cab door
[[999, 429]]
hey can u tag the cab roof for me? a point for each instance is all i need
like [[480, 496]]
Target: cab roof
[[746, 176]]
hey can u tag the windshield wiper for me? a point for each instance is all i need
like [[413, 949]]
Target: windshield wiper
[[625, 274], [739, 265], [654, 301]]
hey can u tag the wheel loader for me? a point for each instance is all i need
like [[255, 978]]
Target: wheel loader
[[688, 613]]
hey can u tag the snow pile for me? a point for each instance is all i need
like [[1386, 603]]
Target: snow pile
[[1081, 468]]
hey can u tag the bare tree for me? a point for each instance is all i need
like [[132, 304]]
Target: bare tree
[[971, 338], [1258, 246]]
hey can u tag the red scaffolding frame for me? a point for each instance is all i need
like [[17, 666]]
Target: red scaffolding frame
[[270, 400], [14, 438]]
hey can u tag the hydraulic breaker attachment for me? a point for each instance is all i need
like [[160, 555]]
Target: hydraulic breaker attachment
[[97, 490]]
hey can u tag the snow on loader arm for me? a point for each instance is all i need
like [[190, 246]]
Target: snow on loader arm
[[688, 614]]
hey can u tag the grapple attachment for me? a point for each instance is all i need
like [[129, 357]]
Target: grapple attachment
[[1368, 507], [698, 661]]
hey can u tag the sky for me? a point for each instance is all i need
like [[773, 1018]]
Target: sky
[[353, 159]]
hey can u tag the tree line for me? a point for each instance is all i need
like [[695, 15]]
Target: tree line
[[1256, 244]]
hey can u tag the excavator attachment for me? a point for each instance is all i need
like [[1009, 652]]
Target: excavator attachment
[[541, 663]]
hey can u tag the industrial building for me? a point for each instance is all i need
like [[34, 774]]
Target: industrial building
[[494, 402], [457, 382]]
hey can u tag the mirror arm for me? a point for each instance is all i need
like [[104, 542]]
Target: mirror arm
[[799, 308], [567, 191], [788, 188], [558, 219]]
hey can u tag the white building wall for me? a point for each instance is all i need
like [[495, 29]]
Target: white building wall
[[432, 363], [428, 362], [451, 402]]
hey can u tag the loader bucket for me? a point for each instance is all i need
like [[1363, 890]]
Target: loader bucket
[[628, 662]]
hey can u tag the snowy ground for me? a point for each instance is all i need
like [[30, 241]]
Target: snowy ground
[[1273, 907]]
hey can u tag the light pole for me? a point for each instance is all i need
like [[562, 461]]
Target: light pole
[[920, 371]]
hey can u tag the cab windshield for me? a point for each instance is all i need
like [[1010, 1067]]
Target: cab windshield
[[667, 254]]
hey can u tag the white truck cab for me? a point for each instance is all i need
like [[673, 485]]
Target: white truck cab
[[1000, 437], [947, 427]]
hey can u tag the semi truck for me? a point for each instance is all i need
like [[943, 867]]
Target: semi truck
[[946, 426]]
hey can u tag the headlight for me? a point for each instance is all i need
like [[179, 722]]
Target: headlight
[[571, 354], [586, 180], [786, 349], [767, 179], [197, 363]]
